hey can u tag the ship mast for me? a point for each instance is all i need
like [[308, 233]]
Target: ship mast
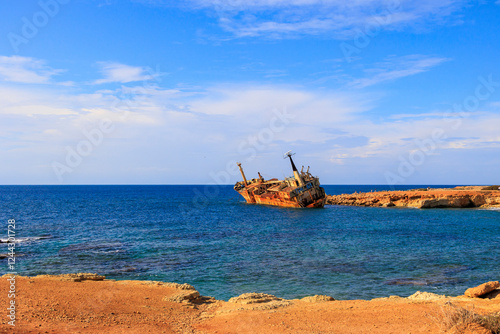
[[242, 174], [295, 171]]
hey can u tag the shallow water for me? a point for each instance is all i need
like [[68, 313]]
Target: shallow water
[[208, 237]]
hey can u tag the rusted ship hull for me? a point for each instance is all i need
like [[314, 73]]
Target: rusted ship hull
[[300, 191], [282, 200], [277, 201]]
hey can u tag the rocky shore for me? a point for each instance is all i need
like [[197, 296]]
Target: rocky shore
[[89, 303], [459, 197]]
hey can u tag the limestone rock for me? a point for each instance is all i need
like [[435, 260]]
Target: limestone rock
[[184, 297], [75, 277], [478, 200], [317, 299], [495, 294], [184, 286], [252, 298], [452, 202], [425, 296], [482, 289], [460, 197]]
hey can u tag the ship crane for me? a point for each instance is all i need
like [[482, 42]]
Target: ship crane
[[242, 174], [295, 171]]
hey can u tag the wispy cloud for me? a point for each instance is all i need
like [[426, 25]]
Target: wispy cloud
[[116, 72], [38, 123], [396, 68], [25, 70], [281, 18]]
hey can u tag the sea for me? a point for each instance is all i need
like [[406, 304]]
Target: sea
[[209, 237]]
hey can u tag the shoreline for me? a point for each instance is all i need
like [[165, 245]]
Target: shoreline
[[424, 198], [89, 303]]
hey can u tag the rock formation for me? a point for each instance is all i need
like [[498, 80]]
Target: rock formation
[[459, 197], [482, 289]]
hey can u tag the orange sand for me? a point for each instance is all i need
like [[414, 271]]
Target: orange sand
[[52, 305]]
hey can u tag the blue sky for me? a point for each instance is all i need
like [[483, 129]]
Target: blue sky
[[175, 92]]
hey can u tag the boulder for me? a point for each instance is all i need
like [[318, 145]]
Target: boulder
[[495, 294], [482, 289]]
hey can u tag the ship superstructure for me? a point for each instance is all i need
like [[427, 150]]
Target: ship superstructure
[[302, 190]]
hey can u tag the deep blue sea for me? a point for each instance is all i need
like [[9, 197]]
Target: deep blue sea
[[209, 237]]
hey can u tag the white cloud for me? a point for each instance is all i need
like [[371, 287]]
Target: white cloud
[[25, 70], [421, 115], [281, 18], [31, 110], [393, 138], [115, 72], [396, 68], [157, 127]]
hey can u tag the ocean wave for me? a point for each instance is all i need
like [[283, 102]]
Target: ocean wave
[[26, 239]]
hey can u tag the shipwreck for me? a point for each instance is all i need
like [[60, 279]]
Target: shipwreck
[[302, 190]]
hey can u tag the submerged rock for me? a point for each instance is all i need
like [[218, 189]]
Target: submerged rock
[[407, 281]]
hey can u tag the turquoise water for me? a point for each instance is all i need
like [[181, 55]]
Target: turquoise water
[[208, 237]]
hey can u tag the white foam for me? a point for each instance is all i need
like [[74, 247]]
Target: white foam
[[490, 209], [26, 239]]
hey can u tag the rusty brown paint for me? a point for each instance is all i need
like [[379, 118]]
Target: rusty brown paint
[[284, 193]]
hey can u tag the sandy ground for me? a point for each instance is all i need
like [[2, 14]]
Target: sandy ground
[[53, 305]]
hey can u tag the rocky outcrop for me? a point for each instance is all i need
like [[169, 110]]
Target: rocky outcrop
[[425, 296], [318, 299], [460, 197], [75, 277], [482, 289], [255, 301], [188, 296], [252, 298]]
